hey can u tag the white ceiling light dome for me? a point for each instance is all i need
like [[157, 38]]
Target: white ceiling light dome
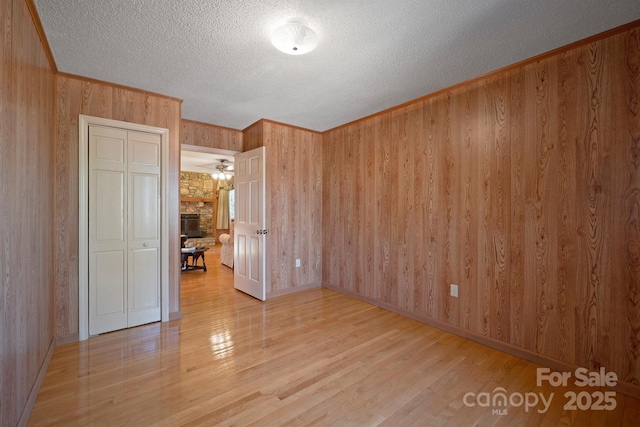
[[295, 38]]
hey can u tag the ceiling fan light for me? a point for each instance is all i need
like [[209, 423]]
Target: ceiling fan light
[[294, 38]]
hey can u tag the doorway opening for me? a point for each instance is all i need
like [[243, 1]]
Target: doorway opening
[[206, 182]]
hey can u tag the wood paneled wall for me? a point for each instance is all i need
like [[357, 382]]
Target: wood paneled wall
[[522, 187], [253, 136], [75, 96], [26, 210], [210, 136], [293, 204]]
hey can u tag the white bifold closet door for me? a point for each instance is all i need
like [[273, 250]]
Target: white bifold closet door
[[124, 229]]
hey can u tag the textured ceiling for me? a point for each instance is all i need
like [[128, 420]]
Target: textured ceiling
[[216, 55], [195, 159]]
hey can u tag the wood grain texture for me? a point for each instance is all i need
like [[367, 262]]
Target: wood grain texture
[[629, 237], [235, 361], [540, 188], [294, 206], [293, 203], [253, 136], [210, 136], [33, 12], [568, 123], [77, 96], [6, 119], [592, 268], [521, 187], [27, 108]]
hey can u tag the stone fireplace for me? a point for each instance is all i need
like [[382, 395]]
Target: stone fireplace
[[199, 218], [198, 205], [190, 225]]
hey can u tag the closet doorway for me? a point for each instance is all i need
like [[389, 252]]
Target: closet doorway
[[133, 249]]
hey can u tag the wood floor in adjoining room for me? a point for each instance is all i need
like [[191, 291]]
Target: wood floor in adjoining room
[[311, 358]]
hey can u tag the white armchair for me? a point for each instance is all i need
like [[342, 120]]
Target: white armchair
[[226, 253]]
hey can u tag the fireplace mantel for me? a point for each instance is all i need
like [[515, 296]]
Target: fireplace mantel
[[196, 199]]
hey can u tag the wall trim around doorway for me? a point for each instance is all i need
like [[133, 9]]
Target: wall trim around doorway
[[83, 217]]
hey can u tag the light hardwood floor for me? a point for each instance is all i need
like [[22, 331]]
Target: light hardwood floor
[[312, 358]]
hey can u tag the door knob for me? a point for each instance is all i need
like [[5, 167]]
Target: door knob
[[145, 244]]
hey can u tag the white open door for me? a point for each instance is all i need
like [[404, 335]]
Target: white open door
[[250, 233]]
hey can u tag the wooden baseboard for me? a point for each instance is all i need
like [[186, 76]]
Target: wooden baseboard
[[288, 291], [557, 365], [66, 339], [33, 394], [176, 315]]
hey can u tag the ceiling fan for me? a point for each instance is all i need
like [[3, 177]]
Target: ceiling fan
[[223, 171]]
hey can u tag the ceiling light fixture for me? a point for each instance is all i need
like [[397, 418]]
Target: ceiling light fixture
[[223, 171], [294, 38]]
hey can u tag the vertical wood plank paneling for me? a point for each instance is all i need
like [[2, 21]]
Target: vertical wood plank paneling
[[358, 220], [417, 275], [26, 209], [517, 243], [316, 236], [313, 169], [431, 194], [359, 166], [369, 231], [333, 189], [77, 96], [69, 92], [630, 134], [273, 204], [344, 264], [342, 209], [448, 209], [6, 117], [485, 266], [568, 124], [543, 190], [394, 221], [328, 239], [400, 206], [293, 203], [253, 136], [404, 207], [288, 227], [499, 207], [384, 189], [611, 206], [521, 186], [613, 327], [291, 185], [284, 226], [210, 136], [348, 196], [591, 207], [302, 199], [468, 206]]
